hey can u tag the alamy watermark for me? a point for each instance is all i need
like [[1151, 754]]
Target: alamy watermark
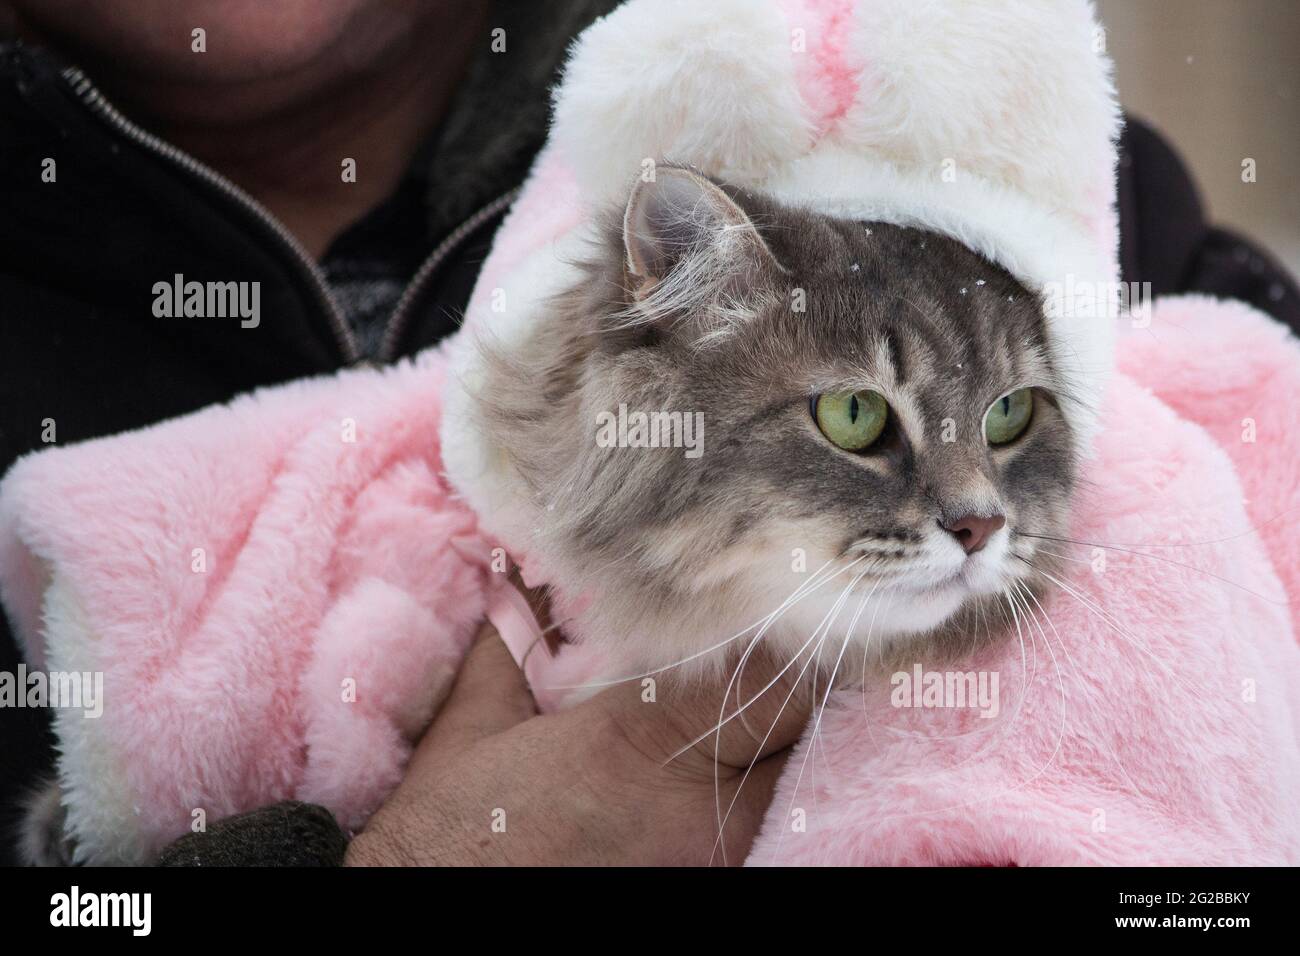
[[75, 908], [948, 689], [74, 690], [651, 430], [209, 300], [1098, 300]]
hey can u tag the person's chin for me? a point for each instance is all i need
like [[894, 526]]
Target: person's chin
[[242, 41]]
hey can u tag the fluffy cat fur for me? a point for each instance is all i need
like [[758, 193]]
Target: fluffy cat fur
[[707, 298]]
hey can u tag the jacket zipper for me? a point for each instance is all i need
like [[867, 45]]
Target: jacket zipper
[[99, 104], [416, 287], [89, 94]]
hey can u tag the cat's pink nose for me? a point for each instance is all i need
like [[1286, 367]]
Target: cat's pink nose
[[973, 532]]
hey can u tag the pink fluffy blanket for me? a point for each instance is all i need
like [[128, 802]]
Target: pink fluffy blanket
[[277, 592]]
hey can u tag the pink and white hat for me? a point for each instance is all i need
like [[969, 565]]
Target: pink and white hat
[[991, 121]]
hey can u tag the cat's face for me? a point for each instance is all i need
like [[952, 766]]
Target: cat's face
[[877, 403]]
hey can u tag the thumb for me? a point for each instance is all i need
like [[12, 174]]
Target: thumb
[[490, 696]]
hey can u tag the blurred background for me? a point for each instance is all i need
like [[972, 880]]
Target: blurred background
[[1221, 80]]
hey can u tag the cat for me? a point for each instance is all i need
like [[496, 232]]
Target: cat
[[884, 414]]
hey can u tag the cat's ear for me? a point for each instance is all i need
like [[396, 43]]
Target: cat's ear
[[688, 243]]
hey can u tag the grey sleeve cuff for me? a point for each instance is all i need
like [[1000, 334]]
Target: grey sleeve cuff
[[282, 834]]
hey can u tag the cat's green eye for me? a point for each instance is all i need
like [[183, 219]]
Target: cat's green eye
[[851, 420], [1009, 416]]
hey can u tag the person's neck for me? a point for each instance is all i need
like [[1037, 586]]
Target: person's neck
[[286, 141]]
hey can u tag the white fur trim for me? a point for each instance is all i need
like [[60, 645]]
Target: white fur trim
[[480, 472], [95, 792], [710, 84], [1013, 91]]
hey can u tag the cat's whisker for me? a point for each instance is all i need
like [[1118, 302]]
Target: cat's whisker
[[1095, 609], [814, 736], [866, 646], [1024, 664], [826, 620], [1025, 680], [1153, 557], [740, 670], [799, 593], [1060, 680], [824, 626], [717, 784], [821, 711], [746, 656], [799, 779], [852, 629], [1107, 619], [1028, 592], [776, 852], [1184, 544], [1007, 598], [1004, 727], [1009, 724], [794, 686]]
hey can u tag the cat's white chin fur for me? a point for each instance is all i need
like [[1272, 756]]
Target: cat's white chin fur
[[925, 596], [759, 595]]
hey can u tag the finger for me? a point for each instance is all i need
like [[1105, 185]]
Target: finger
[[490, 696], [738, 716]]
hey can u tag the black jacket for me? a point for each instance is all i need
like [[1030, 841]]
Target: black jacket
[[79, 256]]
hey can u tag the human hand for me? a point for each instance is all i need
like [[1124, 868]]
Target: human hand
[[616, 780]]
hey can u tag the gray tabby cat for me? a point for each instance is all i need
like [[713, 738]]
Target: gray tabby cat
[[880, 402]]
